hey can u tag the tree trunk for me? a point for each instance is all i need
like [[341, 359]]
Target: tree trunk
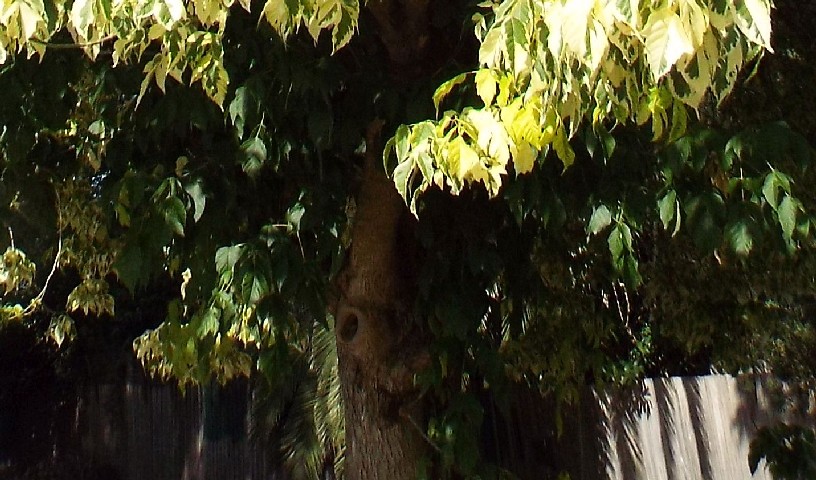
[[377, 339], [379, 346]]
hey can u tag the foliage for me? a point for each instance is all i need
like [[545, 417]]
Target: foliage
[[788, 450], [190, 34], [549, 66], [580, 216]]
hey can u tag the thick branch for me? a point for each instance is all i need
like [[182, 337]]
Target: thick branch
[[403, 26]]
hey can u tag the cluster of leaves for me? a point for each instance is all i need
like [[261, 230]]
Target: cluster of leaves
[[17, 271], [123, 201], [788, 450], [598, 261], [189, 35], [550, 66], [580, 277]]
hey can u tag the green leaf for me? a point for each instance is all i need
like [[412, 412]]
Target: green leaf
[[294, 215], [175, 215], [631, 272], [770, 189], [129, 268], [678, 122], [238, 109], [601, 218], [787, 215], [226, 257], [253, 156], [705, 213], [61, 328], [608, 141], [738, 235], [619, 241], [668, 207], [196, 193], [254, 286], [321, 126], [443, 90], [208, 323]]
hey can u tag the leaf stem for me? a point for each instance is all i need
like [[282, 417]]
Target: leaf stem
[[72, 46]]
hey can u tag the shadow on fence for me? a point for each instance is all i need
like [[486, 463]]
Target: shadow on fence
[[681, 428]]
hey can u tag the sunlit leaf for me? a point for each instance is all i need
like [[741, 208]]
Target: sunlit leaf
[[600, 219]]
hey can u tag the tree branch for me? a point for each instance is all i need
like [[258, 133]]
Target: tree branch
[[72, 46]]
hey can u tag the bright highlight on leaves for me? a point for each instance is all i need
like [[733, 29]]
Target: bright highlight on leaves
[[549, 66], [188, 32]]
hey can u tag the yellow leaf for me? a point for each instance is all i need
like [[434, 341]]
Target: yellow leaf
[[486, 86], [563, 148], [278, 16], [666, 41], [734, 57], [508, 114], [758, 27], [696, 19], [598, 46], [82, 16], [161, 72], [554, 19], [478, 172], [491, 49], [521, 60], [698, 71], [574, 18], [505, 85], [722, 19], [614, 72], [176, 9], [625, 11], [492, 137], [461, 158], [156, 31], [29, 20], [211, 11], [524, 157]]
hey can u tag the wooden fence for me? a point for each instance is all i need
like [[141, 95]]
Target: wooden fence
[[680, 428], [666, 429], [157, 432]]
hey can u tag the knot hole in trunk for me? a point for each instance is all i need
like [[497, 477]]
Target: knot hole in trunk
[[350, 320]]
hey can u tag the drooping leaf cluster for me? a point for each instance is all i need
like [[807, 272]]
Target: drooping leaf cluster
[[636, 237], [189, 34], [547, 67]]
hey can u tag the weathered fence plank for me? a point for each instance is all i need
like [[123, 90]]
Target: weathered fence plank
[[682, 428]]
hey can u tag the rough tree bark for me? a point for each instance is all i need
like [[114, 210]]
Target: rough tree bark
[[379, 348], [377, 343]]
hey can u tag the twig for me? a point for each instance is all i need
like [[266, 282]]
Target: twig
[[72, 46], [422, 433], [35, 302]]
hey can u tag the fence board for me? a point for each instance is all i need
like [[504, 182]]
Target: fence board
[[681, 428]]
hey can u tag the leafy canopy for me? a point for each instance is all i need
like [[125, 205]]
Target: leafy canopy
[[547, 67], [574, 244]]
